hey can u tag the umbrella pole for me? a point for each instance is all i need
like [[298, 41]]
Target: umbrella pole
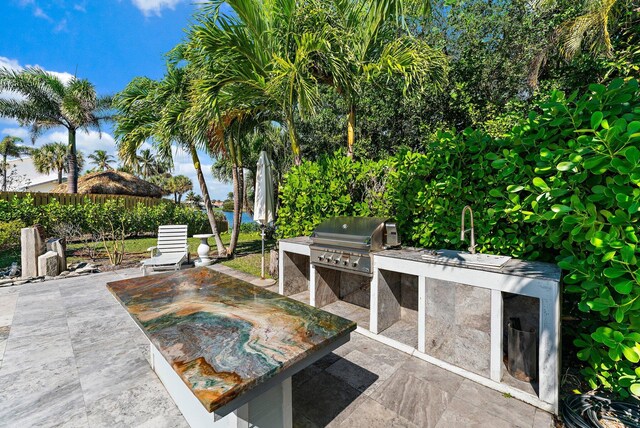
[[262, 233]]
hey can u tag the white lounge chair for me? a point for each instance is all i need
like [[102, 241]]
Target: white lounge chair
[[171, 251]]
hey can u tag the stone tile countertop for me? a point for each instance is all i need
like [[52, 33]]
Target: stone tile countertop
[[514, 267], [224, 336], [303, 240]]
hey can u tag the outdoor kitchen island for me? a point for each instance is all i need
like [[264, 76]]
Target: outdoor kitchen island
[[225, 349], [452, 314]]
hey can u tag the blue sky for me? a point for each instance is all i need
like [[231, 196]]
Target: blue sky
[[108, 42]]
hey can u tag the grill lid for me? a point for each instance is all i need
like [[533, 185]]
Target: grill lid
[[359, 232]]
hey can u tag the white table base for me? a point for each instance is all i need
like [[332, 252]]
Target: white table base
[[203, 252]]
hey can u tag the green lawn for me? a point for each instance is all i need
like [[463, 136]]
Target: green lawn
[[250, 263], [247, 252]]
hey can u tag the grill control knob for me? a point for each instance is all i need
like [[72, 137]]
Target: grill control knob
[[337, 260], [345, 262], [355, 263], [322, 256]]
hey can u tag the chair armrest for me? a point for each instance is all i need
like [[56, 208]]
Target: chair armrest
[[152, 250]]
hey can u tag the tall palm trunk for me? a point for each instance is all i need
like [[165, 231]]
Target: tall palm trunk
[[293, 139], [4, 172], [59, 175], [222, 251], [72, 181], [351, 130], [237, 174], [238, 197], [247, 206]]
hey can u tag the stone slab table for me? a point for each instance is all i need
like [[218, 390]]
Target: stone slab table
[[225, 349]]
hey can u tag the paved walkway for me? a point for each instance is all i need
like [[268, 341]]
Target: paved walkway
[[71, 356]]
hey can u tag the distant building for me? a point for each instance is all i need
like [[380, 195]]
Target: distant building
[[30, 179], [217, 204]]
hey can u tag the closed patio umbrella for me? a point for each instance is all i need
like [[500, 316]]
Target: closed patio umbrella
[[263, 206]]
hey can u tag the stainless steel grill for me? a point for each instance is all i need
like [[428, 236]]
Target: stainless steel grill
[[346, 243]]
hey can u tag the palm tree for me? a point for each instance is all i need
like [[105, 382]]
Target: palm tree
[[250, 67], [374, 41], [590, 29], [48, 102], [145, 163], [189, 197], [153, 111], [9, 148], [54, 157], [254, 66], [179, 185], [101, 159]]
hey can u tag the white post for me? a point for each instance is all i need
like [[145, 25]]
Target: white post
[[262, 273], [422, 313], [496, 335], [281, 270]]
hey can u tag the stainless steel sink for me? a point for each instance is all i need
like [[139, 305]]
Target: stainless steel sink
[[460, 258]]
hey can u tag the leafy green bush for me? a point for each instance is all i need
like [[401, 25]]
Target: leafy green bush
[[10, 233], [140, 219], [578, 184], [563, 185], [109, 222], [430, 190], [250, 227], [333, 186], [19, 209]]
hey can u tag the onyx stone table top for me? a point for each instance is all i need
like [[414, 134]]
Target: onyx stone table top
[[514, 267], [224, 336]]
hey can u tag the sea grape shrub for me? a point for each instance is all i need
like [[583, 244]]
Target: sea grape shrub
[[575, 169], [430, 190]]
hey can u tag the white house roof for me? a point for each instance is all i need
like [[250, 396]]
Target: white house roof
[[25, 167]]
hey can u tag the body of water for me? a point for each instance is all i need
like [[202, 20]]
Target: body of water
[[246, 218]]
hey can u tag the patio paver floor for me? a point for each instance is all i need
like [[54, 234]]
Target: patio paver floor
[[71, 356]]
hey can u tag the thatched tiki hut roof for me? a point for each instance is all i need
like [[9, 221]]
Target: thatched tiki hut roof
[[113, 182]]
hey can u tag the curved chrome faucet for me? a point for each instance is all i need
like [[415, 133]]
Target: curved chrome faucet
[[472, 247]]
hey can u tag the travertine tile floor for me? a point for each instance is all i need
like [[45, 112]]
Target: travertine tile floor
[[71, 356]]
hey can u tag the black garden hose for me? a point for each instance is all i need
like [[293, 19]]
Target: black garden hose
[[585, 411]]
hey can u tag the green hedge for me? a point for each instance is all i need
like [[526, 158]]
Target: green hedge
[[10, 233], [563, 186], [139, 220], [333, 186]]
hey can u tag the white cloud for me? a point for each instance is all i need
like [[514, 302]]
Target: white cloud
[[17, 132], [14, 64], [11, 64], [154, 7], [61, 26], [86, 142], [39, 13]]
